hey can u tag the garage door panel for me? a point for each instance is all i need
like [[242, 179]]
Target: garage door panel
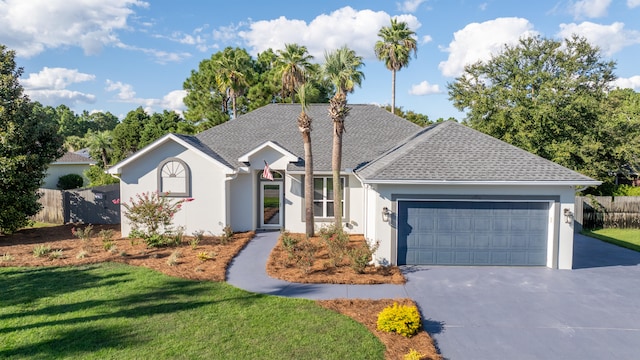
[[472, 233]]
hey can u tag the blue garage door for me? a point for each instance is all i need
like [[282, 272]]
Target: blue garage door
[[472, 233]]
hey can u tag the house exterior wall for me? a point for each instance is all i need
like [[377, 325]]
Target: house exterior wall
[[243, 202], [56, 170], [209, 188], [560, 240]]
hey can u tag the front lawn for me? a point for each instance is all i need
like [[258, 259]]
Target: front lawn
[[118, 311], [628, 238]]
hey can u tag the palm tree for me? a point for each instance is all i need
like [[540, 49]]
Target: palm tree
[[100, 144], [231, 78], [395, 50], [342, 68], [293, 64], [304, 125]]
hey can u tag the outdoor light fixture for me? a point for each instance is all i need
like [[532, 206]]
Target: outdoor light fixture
[[385, 214], [568, 215]]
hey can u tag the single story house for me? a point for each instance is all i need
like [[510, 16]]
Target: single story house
[[69, 163], [444, 195]]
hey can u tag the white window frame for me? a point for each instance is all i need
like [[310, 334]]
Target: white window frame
[[325, 202], [185, 175]]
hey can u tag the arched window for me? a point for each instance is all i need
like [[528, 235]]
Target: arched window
[[276, 175], [174, 177]]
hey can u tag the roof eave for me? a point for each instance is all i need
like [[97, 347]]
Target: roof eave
[[491, 182]]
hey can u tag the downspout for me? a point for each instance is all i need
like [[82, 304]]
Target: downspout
[[227, 202]]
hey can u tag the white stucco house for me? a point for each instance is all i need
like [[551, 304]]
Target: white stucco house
[[69, 163], [442, 195]]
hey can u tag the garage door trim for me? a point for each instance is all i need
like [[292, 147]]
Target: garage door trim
[[553, 227]]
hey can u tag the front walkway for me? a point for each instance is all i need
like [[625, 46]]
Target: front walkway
[[248, 271], [590, 312]]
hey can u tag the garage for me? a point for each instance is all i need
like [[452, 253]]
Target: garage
[[472, 233]]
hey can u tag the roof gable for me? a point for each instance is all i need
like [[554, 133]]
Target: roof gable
[[188, 142], [451, 152]]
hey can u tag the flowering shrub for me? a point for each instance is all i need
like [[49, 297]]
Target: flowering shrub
[[151, 215]]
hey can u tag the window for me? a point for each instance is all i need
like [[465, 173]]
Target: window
[[323, 196], [174, 177]]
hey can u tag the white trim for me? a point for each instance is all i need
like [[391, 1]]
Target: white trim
[[117, 168], [289, 156], [280, 200], [479, 182]]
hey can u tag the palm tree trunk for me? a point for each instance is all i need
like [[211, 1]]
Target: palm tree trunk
[[393, 92], [308, 183], [336, 162], [233, 105], [103, 153]]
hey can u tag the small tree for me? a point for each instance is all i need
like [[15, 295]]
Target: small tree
[[70, 181], [151, 215]]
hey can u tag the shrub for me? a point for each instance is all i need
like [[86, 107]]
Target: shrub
[[70, 181], [198, 235], [173, 258], [56, 254], [400, 319], [41, 250], [289, 243], [151, 216], [81, 254], [337, 242], [305, 254], [204, 256], [84, 234], [227, 233], [97, 176], [107, 239], [413, 354], [6, 257], [361, 256]]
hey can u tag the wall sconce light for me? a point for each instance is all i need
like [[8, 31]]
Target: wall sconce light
[[385, 214], [568, 215]]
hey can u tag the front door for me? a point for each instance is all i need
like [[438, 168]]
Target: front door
[[271, 204]]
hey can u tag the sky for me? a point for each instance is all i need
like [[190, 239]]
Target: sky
[[117, 55]]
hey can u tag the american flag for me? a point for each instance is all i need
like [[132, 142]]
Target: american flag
[[266, 173]]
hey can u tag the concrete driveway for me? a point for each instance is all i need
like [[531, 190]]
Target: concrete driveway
[[591, 312]]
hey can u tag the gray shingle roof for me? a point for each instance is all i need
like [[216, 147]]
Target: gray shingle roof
[[453, 152], [71, 157], [370, 131]]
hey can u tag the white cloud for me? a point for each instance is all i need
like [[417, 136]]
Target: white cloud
[[590, 8], [633, 3], [471, 44], [357, 29], [126, 94], [30, 27], [424, 88], [609, 38], [409, 5], [161, 57], [55, 78], [427, 39], [631, 83], [49, 86]]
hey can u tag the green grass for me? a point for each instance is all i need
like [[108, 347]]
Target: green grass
[[118, 311], [38, 224], [628, 238]]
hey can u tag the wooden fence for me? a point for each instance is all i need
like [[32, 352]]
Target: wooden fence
[[595, 212], [52, 207], [90, 206]]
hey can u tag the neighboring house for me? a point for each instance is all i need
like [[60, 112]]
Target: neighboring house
[[69, 163], [445, 194]]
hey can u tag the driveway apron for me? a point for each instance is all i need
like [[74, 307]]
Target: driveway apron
[[590, 312]]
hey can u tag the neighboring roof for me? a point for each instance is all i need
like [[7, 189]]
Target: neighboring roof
[[370, 131], [451, 152], [71, 158]]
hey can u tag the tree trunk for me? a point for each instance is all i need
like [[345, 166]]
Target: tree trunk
[[233, 105], [308, 182], [393, 92], [336, 162], [103, 153]]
